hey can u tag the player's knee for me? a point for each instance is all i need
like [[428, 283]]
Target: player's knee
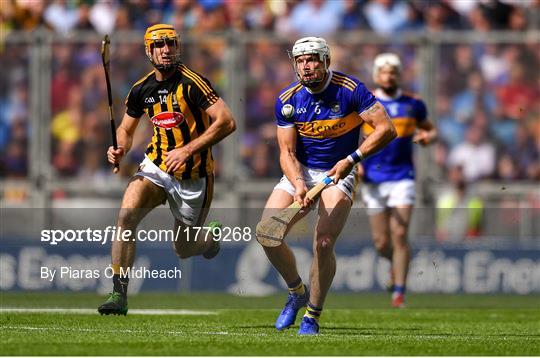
[[382, 243], [400, 235], [324, 244], [128, 219]]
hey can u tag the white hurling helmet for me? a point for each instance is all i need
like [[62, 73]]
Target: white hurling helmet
[[307, 46], [386, 59]]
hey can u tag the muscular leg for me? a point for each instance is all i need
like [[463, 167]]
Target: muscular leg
[[334, 209], [380, 231], [140, 197], [399, 224], [281, 257]]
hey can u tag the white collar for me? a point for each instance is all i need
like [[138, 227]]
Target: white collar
[[379, 93], [328, 79]]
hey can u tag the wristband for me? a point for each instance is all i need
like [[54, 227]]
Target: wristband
[[355, 157], [299, 178]]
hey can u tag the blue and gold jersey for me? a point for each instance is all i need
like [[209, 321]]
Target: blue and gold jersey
[[327, 123], [395, 161]]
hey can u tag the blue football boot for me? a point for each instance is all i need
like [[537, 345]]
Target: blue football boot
[[294, 303], [308, 326]]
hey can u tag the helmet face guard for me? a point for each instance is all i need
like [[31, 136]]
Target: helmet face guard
[[156, 37], [310, 46]]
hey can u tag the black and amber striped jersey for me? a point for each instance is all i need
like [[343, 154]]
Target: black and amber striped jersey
[[177, 109]]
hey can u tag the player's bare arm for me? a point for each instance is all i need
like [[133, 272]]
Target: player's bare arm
[[426, 133], [290, 165], [222, 125], [384, 132], [124, 134]]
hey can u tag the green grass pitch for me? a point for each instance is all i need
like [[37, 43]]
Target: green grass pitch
[[351, 324]]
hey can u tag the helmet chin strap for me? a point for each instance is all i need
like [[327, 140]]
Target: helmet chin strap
[[311, 84], [314, 82], [175, 61], [162, 67]]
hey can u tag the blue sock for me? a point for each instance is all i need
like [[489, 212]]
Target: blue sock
[[399, 289]]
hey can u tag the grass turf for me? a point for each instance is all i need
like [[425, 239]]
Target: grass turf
[[352, 324]]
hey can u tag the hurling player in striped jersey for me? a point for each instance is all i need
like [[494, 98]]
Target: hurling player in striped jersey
[[188, 118]]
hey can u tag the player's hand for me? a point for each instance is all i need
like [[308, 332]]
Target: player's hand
[[300, 192], [175, 159], [114, 156], [422, 137], [340, 170]]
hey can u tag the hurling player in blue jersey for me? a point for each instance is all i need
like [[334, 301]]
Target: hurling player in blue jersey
[[318, 120], [388, 188]]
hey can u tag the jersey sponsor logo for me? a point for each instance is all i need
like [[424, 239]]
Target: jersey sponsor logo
[[328, 128], [168, 120], [163, 91]]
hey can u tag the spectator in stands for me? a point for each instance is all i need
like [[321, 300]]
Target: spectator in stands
[[352, 17], [209, 17], [93, 168], [435, 17], [518, 19], [61, 16], [460, 65], [519, 96], [533, 15], [84, 24], [475, 97], [476, 156], [283, 24], [103, 16], [506, 168], [386, 16], [450, 130], [66, 133], [326, 14], [459, 212], [26, 15], [15, 160], [496, 12], [478, 21], [493, 65], [524, 154]]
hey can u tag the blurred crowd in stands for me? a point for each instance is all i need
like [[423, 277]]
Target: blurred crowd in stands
[[487, 97], [280, 16]]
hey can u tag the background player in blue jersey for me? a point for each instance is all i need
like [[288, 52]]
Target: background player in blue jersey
[[319, 119], [389, 190]]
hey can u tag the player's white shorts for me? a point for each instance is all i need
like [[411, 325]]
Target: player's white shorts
[[390, 194], [315, 176], [187, 198]]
